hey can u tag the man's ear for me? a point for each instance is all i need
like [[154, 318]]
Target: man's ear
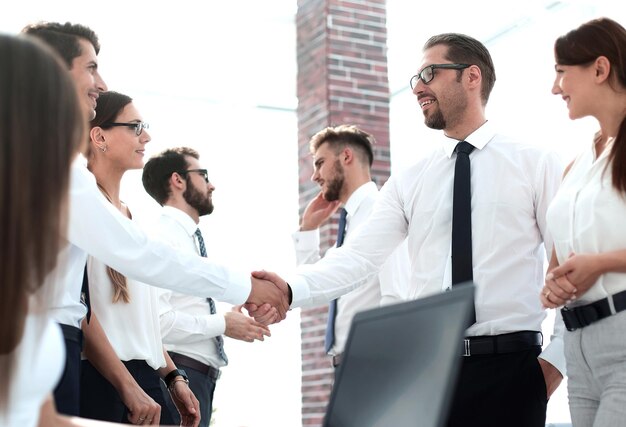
[[346, 156], [177, 181], [475, 75]]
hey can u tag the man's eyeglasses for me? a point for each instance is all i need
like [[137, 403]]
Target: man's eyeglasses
[[428, 73], [202, 172], [138, 126]]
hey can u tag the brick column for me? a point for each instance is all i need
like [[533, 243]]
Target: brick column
[[342, 79]]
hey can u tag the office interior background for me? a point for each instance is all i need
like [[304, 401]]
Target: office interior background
[[220, 77]]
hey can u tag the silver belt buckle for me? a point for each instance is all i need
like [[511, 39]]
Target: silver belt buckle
[[466, 349]]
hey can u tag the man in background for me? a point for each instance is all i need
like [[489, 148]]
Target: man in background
[[342, 159], [190, 328]]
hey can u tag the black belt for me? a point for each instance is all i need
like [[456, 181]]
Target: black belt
[[336, 360], [504, 343], [72, 333], [585, 315], [188, 362]]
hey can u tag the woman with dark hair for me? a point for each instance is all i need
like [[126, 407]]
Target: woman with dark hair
[[41, 130], [587, 273], [125, 312]]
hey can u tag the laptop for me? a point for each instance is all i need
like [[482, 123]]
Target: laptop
[[401, 363]]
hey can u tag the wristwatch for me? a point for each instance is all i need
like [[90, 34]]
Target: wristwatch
[[169, 378]]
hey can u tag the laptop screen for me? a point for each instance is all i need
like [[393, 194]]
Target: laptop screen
[[401, 362]]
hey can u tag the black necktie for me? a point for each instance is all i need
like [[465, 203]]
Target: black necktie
[[329, 339], [85, 293], [219, 338], [462, 218]]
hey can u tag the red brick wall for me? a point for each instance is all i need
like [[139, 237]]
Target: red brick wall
[[342, 79]]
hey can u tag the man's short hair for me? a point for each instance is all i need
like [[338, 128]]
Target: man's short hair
[[63, 38], [338, 137], [158, 170]]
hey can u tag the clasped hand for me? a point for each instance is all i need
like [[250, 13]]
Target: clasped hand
[[269, 299], [570, 280]]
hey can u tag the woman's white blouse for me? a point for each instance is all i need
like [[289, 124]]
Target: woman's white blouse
[[588, 215], [133, 329], [39, 363]]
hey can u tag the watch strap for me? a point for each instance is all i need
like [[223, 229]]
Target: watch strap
[[173, 374]]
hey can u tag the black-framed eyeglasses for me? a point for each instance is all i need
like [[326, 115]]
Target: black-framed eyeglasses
[[138, 126], [428, 73], [203, 172]]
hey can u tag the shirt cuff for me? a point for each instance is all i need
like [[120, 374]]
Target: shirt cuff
[[300, 290], [306, 240], [215, 324], [239, 292], [554, 354]]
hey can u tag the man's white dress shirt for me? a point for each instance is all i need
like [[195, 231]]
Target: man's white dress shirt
[[396, 269], [187, 325], [97, 228], [512, 185]]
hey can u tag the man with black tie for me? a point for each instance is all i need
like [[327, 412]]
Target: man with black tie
[[191, 329], [342, 158], [505, 377]]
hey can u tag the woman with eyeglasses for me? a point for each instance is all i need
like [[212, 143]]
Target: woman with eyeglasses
[[587, 274], [124, 312]]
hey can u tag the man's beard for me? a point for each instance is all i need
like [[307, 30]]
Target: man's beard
[[334, 185], [197, 200], [436, 120], [456, 104]]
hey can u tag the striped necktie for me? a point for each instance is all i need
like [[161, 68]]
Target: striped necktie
[[219, 338]]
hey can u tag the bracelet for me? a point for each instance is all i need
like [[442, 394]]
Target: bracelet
[[174, 381]]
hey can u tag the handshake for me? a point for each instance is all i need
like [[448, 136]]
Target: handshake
[[269, 299]]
